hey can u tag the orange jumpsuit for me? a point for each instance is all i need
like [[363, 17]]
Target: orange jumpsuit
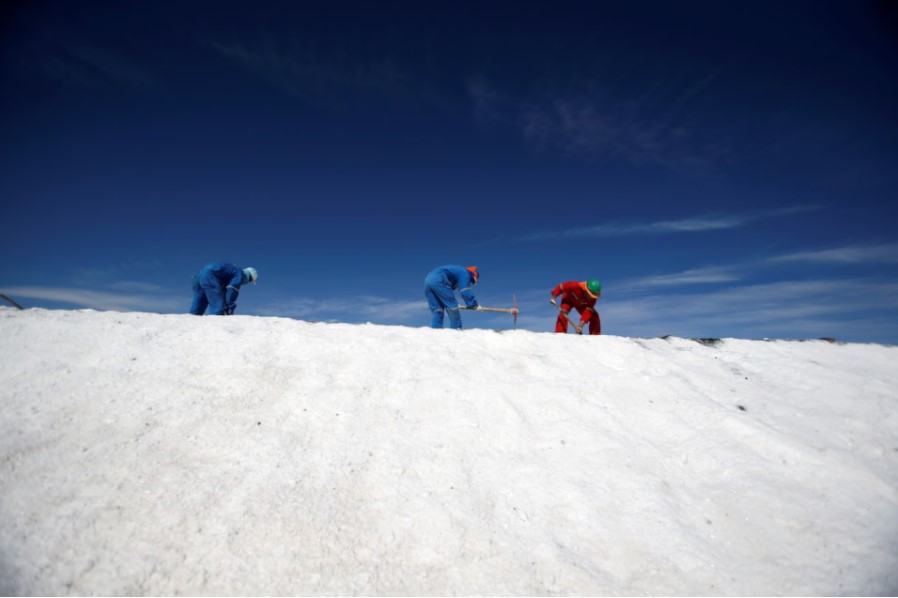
[[575, 296]]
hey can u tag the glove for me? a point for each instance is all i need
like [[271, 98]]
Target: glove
[[552, 301], [476, 307]]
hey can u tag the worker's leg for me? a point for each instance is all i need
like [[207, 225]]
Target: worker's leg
[[595, 323], [446, 296], [454, 317], [216, 298], [200, 303], [561, 322], [436, 307]]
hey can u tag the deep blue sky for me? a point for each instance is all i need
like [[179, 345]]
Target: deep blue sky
[[724, 168]]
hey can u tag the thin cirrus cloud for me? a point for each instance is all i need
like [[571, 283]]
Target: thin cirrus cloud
[[684, 225], [886, 253], [586, 120], [857, 254], [380, 309], [307, 74], [102, 300], [693, 276], [87, 64], [148, 298], [824, 307]]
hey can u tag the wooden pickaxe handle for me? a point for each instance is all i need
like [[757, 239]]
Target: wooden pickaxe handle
[[501, 310], [568, 318], [4, 297]]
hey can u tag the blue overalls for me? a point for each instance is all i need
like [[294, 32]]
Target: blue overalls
[[439, 288], [217, 286]]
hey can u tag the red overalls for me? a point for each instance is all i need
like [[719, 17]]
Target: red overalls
[[574, 296]]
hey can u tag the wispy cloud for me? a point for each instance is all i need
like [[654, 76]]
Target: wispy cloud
[[490, 105], [685, 225], [308, 74], [87, 64], [856, 254], [132, 286], [102, 300], [656, 127], [346, 309], [848, 309], [818, 307], [693, 276]]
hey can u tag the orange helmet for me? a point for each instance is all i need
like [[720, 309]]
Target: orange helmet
[[473, 270]]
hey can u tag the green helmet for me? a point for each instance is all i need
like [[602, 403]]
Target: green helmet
[[594, 286]]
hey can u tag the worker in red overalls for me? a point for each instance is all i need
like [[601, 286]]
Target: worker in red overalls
[[581, 296]]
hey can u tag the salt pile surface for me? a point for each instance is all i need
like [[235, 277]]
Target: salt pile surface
[[169, 454]]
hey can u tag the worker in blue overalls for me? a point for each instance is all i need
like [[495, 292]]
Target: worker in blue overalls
[[217, 286], [439, 288]]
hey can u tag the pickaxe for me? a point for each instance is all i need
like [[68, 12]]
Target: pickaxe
[[567, 317], [4, 297], [502, 310]]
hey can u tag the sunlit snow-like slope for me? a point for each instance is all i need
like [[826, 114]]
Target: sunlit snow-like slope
[[151, 454]]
